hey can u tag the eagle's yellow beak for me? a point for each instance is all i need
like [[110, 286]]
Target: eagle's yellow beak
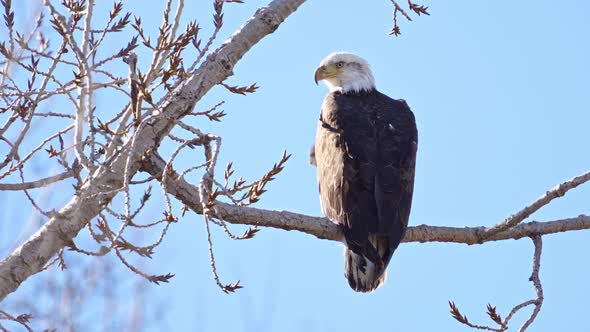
[[324, 72]]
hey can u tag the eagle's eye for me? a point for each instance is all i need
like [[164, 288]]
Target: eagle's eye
[[339, 64]]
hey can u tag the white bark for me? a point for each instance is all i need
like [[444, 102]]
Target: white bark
[[30, 258]]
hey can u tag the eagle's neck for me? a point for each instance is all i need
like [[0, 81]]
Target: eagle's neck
[[355, 81]]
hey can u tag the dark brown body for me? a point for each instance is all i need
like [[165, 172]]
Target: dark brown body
[[365, 152]]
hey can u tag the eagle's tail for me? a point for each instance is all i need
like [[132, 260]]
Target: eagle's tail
[[363, 274]]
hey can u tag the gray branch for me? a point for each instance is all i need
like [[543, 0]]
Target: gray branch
[[37, 183], [521, 215], [106, 181], [322, 228]]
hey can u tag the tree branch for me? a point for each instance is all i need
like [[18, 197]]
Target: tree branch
[[538, 302], [491, 310], [107, 180], [36, 184], [521, 215], [323, 228]]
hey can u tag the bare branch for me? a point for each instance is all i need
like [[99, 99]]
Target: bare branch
[[491, 311], [461, 318], [417, 9], [538, 302], [38, 183], [23, 319], [32, 256], [521, 215], [324, 229]]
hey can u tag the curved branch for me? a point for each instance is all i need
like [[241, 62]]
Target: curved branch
[[538, 302], [32, 256], [491, 310], [322, 228]]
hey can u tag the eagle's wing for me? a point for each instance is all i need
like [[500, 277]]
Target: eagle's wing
[[396, 164], [365, 153]]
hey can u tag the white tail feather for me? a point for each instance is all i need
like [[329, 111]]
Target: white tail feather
[[362, 274]]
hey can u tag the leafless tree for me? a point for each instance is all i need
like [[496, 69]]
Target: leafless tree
[[87, 294], [106, 153]]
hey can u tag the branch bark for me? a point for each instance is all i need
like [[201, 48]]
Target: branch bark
[[104, 183], [36, 184], [323, 228], [521, 215]]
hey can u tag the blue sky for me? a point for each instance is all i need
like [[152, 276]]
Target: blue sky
[[500, 93]]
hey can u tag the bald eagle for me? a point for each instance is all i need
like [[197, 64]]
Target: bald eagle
[[365, 154]]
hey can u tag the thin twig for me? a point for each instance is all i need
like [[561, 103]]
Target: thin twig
[[36, 184]]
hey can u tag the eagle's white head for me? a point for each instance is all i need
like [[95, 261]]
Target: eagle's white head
[[345, 72]]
